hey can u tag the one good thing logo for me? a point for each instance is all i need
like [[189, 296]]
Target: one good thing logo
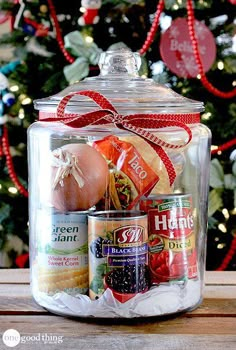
[[12, 338]]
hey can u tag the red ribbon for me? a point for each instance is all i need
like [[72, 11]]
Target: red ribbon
[[137, 123]]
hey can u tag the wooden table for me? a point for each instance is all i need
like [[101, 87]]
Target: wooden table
[[211, 326]]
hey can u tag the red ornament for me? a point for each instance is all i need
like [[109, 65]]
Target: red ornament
[[90, 15], [177, 52], [195, 46], [233, 2]]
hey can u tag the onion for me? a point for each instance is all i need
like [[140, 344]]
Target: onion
[[80, 177]]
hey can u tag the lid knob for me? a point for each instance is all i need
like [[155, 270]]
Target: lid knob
[[122, 61]]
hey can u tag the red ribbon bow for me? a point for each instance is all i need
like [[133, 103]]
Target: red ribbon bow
[[139, 124]]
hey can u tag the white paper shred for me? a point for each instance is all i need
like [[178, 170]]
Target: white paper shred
[[162, 300]]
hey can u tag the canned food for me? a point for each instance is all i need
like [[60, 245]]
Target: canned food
[[172, 251], [62, 252], [118, 253]]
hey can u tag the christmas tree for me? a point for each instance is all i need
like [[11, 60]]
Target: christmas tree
[[57, 43]]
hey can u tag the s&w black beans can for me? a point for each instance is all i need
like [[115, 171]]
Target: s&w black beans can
[[118, 253]]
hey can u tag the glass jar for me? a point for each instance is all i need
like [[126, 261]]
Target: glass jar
[[118, 183]]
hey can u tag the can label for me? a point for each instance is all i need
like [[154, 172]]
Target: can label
[[118, 254], [172, 249], [63, 253]]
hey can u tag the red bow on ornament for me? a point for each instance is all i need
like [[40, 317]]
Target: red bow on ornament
[[138, 124]]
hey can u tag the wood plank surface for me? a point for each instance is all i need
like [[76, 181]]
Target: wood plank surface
[[169, 334], [82, 327], [132, 342], [222, 291], [14, 276], [212, 326], [16, 298], [220, 278], [26, 305], [22, 276]]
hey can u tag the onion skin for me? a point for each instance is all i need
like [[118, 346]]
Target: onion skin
[[68, 195]]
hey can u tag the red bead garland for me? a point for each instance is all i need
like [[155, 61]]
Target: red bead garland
[[1, 149], [9, 162], [224, 146], [59, 38], [149, 40], [230, 254], [152, 32], [232, 250], [204, 79], [191, 20]]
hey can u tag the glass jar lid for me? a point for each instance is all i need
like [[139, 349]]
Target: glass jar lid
[[120, 83]]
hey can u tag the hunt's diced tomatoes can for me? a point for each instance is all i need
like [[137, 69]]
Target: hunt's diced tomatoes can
[[171, 242]]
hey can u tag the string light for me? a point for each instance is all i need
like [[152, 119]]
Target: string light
[[82, 9], [22, 97], [0, 186], [199, 76], [234, 83], [14, 88], [125, 19], [214, 148], [221, 245], [225, 212], [206, 116], [88, 39], [233, 212], [12, 190], [220, 65], [26, 101], [175, 7], [222, 228], [21, 113]]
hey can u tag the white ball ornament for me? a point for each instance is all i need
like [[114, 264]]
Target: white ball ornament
[[3, 82], [9, 99]]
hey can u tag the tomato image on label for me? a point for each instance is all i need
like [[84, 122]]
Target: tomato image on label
[[155, 243], [165, 267]]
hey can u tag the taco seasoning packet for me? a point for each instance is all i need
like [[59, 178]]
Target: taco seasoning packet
[[130, 176]]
